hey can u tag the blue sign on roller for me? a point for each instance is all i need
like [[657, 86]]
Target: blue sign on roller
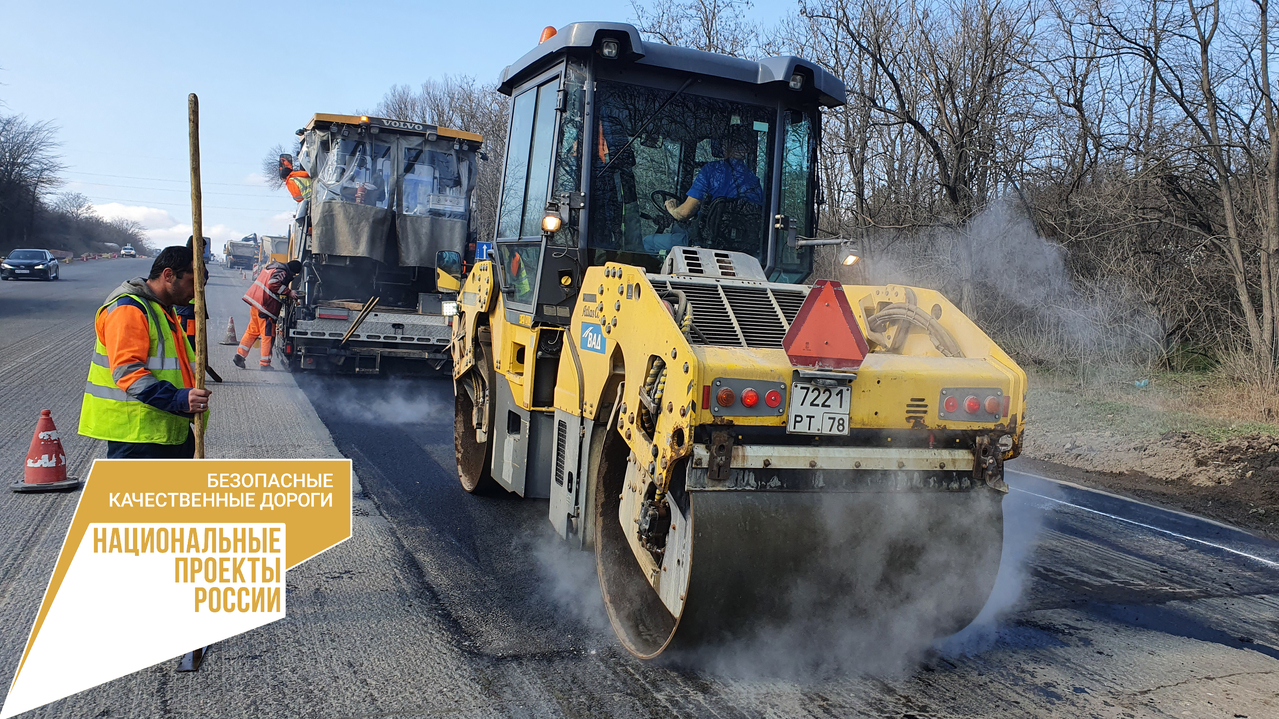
[[482, 250], [593, 339]]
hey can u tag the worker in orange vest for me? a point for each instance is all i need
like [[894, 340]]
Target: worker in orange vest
[[299, 184], [266, 298], [298, 181]]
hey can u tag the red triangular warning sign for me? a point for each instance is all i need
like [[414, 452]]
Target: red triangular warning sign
[[825, 333]]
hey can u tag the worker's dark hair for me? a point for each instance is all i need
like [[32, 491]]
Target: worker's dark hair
[[178, 259], [295, 267]]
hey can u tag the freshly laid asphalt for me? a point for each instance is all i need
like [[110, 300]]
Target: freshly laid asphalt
[[445, 603]]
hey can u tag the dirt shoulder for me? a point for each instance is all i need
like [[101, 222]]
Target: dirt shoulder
[[1180, 441]]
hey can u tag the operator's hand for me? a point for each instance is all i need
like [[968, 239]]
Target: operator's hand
[[671, 206], [198, 400]]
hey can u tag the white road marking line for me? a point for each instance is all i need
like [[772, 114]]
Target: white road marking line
[[1263, 560]]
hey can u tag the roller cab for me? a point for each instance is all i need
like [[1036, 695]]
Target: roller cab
[[740, 450]]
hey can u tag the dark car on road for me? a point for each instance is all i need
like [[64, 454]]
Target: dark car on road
[[30, 263]]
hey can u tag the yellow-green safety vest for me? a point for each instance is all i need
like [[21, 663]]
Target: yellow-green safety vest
[[109, 413]]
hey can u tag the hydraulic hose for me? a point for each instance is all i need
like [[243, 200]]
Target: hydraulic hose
[[910, 314]]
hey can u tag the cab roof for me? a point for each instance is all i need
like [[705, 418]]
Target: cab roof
[[402, 126], [828, 89]]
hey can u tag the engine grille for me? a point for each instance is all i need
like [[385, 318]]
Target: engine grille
[[731, 314]]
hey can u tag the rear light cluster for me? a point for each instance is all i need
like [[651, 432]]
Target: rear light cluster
[[750, 397], [973, 404], [743, 397]]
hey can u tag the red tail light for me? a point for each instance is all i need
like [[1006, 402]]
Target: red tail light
[[972, 405], [773, 398], [993, 405], [952, 404], [726, 397], [750, 397]]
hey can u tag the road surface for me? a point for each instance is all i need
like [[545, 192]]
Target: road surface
[[449, 604]]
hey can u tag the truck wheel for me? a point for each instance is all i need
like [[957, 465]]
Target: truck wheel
[[474, 459]]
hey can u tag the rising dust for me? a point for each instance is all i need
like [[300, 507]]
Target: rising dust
[[389, 400], [856, 612]]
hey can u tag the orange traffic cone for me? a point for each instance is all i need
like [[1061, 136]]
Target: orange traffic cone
[[46, 461], [230, 338]]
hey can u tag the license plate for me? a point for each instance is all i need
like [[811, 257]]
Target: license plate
[[23, 272], [815, 409]]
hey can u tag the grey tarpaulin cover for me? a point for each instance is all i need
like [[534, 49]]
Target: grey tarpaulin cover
[[345, 228], [420, 238]]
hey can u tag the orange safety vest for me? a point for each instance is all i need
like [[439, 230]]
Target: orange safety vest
[[299, 184], [260, 294]]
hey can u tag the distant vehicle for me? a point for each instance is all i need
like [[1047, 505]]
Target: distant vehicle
[[273, 249], [242, 253], [21, 264], [128, 251]]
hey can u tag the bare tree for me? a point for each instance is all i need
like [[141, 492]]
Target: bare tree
[[948, 77], [718, 26], [270, 167], [29, 168], [1217, 79], [461, 103], [75, 206]]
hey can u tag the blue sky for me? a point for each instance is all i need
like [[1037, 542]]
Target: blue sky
[[114, 77]]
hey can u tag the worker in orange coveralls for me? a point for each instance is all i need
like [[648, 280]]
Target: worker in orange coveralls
[[266, 298]]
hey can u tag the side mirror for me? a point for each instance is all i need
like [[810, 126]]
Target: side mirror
[[448, 271]]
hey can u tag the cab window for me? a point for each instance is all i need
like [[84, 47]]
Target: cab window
[[798, 154], [520, 261], [528, 162], [359, 172], [568, 157], [436, 183], [654, 147]]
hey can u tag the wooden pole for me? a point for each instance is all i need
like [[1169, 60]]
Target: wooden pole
[[197, 249]]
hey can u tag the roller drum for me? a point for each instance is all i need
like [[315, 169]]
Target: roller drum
[[815, 566]]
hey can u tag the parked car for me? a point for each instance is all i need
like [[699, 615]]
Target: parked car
[[30, 263]]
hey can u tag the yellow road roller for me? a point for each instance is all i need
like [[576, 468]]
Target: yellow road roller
[[739, 449]]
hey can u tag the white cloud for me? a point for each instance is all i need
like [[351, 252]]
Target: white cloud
[[150, 218], [280, 221], [163, 230]]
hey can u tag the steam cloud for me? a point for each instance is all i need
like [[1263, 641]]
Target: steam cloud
[[391, 401], [881, 598], [1024, 295]]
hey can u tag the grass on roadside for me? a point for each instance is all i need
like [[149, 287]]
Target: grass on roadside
[[1211, 404]]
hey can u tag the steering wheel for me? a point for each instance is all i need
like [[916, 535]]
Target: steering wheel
[[659, 198], [663, 218]]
